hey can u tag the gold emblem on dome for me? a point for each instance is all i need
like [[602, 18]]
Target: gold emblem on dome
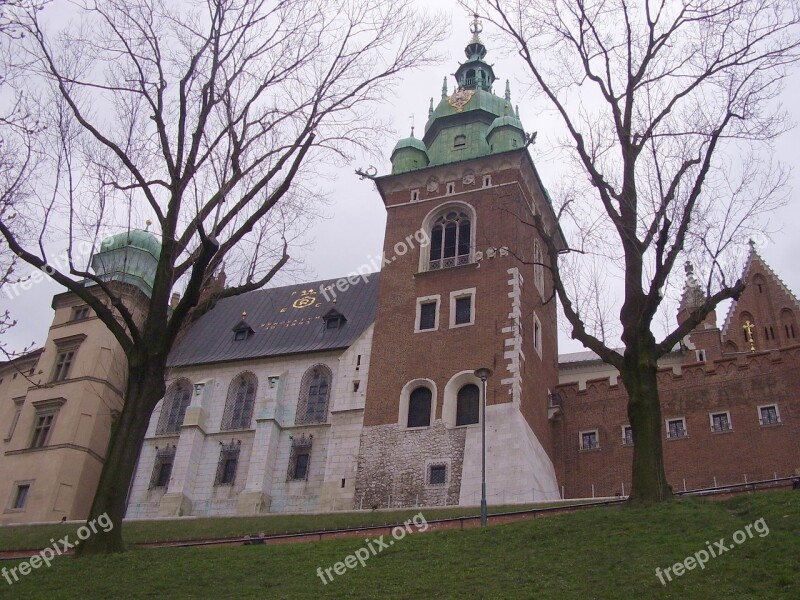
[[460, 99]]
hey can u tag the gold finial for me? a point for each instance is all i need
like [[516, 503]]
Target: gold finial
[[476, 27], [748, 334], [244, 314]]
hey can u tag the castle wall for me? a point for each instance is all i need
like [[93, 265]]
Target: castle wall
[[704, 457]]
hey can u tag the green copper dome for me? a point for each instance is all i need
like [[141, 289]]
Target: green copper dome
[[129, 257], [409, 154]]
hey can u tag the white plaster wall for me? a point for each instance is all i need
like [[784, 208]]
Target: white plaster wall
[[517, 466]]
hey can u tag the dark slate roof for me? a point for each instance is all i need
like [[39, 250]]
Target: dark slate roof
[[285, 320]]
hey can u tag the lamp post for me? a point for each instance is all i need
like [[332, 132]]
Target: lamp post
[[483, 374]]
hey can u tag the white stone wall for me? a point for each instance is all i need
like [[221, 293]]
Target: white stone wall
[[276, 407], [517, 467]]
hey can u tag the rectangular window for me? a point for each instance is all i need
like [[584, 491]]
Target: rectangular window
[[427, 314], [451, 188], [538, 267], [79, 313], [769, 415], [676, 428], [20, 496], [437, 475], [487, 180], [162, 469], [463, 310], [537, 335], [720, 422], [301, 466], [415, 195], [627, 435], [589, 440], [228, 461], [18, 402], [41, 429], [462, 307], [63, 365]]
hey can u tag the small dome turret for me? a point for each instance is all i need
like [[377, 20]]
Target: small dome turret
[[506, 132], [409, 154], [130, 257]]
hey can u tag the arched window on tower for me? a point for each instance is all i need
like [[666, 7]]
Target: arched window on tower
[[468, 405], [312, 406], [419, 408], [173, 410], [789, 324], [451, 240], [239, 405]]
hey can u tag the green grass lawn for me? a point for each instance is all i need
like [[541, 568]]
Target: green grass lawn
[[598, 553], [38, 536]]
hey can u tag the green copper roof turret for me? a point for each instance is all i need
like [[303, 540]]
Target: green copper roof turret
[[470, 123], [130, 257]]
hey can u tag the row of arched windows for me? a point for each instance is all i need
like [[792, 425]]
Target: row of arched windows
[[312, 404], [421, 406]]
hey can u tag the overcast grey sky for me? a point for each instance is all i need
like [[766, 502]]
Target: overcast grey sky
[[353, 233]]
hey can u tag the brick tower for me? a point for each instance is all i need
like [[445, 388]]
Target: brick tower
[[477, 295]]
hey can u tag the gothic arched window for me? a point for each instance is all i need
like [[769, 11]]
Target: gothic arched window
[[451, 240], [419, 408], [312, 407], [173, 410], [239, 405], [468, 405]]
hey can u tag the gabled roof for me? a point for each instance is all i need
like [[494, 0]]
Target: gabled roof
[[285, 320], [755, 263]]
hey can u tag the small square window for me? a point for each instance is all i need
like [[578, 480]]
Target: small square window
[[451, 188], [415, 195], [356, 385], [162, 468], [769, 415], [427, 315], [460, 141], [487, 180], [627, 435], [437, 475], [21, 496], [589, 440], [720, 422], [462, 307], [676, 428], [240, 335], [537, 335]]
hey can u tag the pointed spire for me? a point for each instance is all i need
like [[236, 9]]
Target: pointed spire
[[518, 111], [693, 295], [430, 109], [508, 91], [444, 88]]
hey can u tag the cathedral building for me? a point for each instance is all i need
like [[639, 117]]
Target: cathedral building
[[361, 392]]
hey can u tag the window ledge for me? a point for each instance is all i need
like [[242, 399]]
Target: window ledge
[[674, 439], [715, 432], [778, 424], [590, 449], [627, 444], [474, 265], [459, 325]]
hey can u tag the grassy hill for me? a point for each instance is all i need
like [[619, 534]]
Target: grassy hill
[[598, 553]]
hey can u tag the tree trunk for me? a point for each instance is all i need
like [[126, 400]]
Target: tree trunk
[[649, 481], [143, 390]]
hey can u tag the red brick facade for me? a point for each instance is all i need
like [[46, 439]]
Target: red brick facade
[[734, 383]]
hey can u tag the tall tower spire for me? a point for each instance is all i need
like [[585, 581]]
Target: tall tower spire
[[475, 73]]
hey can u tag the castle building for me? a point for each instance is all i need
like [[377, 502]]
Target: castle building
[[361, 392]]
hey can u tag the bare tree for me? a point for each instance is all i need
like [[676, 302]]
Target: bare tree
[[668, 109], [208, 117]]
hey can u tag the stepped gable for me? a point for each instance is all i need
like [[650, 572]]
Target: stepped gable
[[768, 304], [280, 321]]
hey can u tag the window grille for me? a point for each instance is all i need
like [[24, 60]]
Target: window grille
[[312, 406], [437, 475], [173, 410], [300, 458], [239, 404], [450, 241], [228, 462], [162, 469]]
